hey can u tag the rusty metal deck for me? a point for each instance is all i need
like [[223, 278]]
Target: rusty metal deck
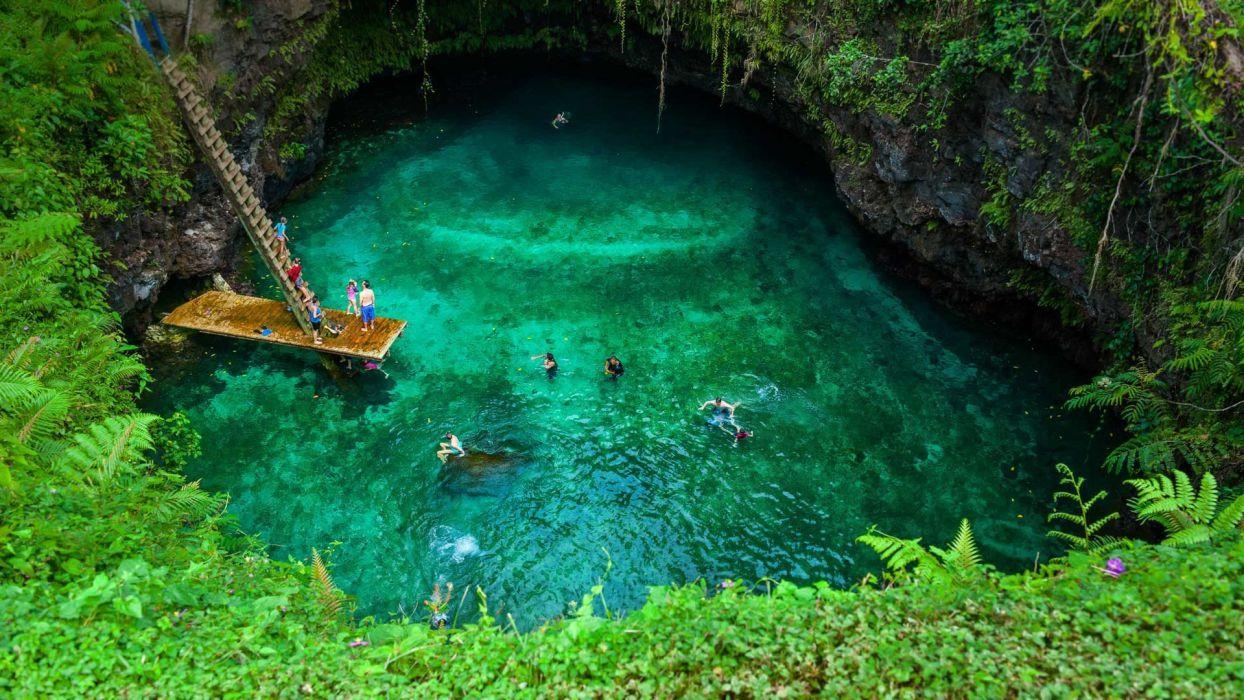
[[240, 316]]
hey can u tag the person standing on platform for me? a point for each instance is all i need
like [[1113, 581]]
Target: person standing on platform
[[352, 290], [367, 306], [316, 316]]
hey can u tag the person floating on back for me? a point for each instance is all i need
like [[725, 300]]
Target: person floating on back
[[280, 237], [550, 364], [453, 448], [367, 308], [372, 366], [352, 306], [613, 367], [722, 411], [560, 119]]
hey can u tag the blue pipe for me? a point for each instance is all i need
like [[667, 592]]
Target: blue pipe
[[155, 25], [142, 38]]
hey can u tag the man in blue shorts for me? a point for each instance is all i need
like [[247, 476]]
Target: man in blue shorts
[[367, 306]]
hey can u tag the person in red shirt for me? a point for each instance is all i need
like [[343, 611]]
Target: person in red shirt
[[295, 275]]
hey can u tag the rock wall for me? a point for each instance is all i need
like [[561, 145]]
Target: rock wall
[[918, 194], [924, 203], [234, 53]]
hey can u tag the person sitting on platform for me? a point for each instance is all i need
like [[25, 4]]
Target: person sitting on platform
[[295, 275]]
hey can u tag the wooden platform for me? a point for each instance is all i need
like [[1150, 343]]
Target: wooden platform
[[240, 316]]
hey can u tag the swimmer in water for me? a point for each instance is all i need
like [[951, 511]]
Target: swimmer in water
[[453, 448], [613, 367], [559, 120], [550, 364], [722, 411]]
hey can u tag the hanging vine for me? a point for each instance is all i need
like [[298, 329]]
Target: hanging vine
[[665, 50], [720, 49], [424, 50], [620, 10]]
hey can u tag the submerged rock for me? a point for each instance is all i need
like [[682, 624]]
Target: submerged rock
[[219, 283], [160, 337]]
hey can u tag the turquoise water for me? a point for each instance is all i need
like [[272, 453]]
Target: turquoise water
[[711, 262]]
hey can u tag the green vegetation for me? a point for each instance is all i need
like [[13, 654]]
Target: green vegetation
[[119, 577]]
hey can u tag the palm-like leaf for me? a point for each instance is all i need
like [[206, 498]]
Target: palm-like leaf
[[1231, 516], [16, 387], [187, 503], [1188, 514], [107, 447]]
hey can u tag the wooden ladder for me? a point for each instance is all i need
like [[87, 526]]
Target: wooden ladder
[[237, 189]]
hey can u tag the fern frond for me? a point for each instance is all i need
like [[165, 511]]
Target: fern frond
[[1091, 529], [1206, 502], [898, 553], [1074, 541], [32, 232], [108, 446], [1230, 517], [1185, 493], [1194, 355], [330, 596], [1195, 534], [16, 387], [1145, 454], [187, 503], [41, 417], [963, 552]]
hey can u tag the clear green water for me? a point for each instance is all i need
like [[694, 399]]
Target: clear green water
[[712, 263]]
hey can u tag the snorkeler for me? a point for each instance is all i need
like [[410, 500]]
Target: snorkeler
[[550, 364], [560, 119], [613, 367], [722, 411], [453, 448]]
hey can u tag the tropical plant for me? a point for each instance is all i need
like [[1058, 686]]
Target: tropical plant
[[329, 595], [909, 561], [1189, 515], [1087, 539]]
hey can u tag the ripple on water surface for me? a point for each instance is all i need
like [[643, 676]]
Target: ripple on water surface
[[711, 264]]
